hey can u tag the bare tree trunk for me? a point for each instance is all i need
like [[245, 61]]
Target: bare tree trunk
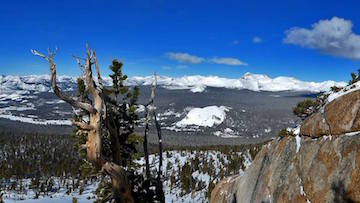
[[145, 143], [159, 188], [97, 113], [146, 153]]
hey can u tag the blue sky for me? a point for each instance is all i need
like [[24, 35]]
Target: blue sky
[[176, 38]]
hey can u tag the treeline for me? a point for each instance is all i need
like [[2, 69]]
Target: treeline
[[37, 155], [40, 163]]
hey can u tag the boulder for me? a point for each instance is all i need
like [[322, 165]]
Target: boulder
[[338, 117], [321, 170]]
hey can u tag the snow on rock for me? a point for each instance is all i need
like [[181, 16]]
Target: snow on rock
[[353, 133], [296, 132], [346, 90], [298, 143], [205, 117]]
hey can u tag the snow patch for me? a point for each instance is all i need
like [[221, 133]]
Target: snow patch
[[33, 120], [205, 117], [298, 143], [198, 89], [140, 108], [353, 133], [56, 101], [267, 130], [226, 133]]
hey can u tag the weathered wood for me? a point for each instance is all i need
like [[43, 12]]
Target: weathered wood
[[97, 119], [82, 125], [145, 143], [159, 185], [57, 91]]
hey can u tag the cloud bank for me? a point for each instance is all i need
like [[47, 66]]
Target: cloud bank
[[228, 61], [192, 59], [334, 37], [185, 58]]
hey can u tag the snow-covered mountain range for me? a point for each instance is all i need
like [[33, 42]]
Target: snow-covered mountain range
[[251, 107], [196, 83]]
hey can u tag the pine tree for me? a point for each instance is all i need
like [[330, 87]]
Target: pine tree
[[353, 79]]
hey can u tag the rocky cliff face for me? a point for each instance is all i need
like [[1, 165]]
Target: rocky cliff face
[[323, 165], [323, 170], [339, 116]]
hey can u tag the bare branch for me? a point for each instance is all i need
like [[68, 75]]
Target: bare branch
[[57, 91], [153, 87], [147, 114], [88, 52], [36, 53], [152, 96], [51, 54], [78, 61], [82, 125], [88, 73], [98, 72]]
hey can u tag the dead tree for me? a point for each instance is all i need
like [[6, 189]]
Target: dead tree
[[159, 186], [99, 123], [150, 106]]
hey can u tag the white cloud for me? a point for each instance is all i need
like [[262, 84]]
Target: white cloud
[[257, 40], [228, 61], [334, 37], [185, 58], [191, 59]]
